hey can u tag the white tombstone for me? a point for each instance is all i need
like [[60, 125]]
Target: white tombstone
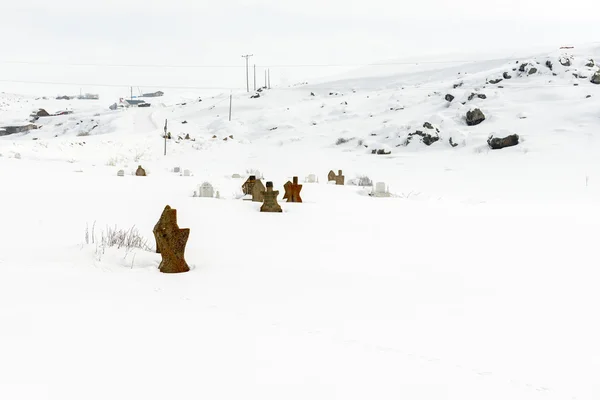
[[177, 170], [311, 178], [121, 173], [218, 195], [380, 190], [206, 190], [236, 176], [186, 172]]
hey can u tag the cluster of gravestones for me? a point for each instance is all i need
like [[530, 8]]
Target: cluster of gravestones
[[171, 240], [142, 172]]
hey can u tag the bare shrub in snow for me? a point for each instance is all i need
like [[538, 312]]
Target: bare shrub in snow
[[361, 180], [127, 239]]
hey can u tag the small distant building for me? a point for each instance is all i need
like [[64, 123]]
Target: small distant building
[[9, 130], [132, 102], [155, 94], [89, 96]]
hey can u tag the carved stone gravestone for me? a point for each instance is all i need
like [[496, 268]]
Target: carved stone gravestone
[[177, 170], [170, 242], [311, 178], [292, 191], [380, 190], [257, 191], [186, 172], [339, 178], [218, 195], [121, 173], [270, 202], [236, 176], [140, 171], [205, 190], [249, 184]]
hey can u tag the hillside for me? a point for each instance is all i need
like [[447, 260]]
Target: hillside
[[475, 279]]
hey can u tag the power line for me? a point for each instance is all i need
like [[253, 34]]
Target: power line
[[67, 64]]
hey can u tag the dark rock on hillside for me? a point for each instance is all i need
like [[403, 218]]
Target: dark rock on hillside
[[590, 63], [255, 96], [449, 98], [596, 78], [42, 113], [496, 81], [475, 117], [452, 142], [549, 64], [522, 67], [500, 143], [532, 71], [381, 152], [478, 95], [506, 75], [457, 85], [565, 61], [427, 137]]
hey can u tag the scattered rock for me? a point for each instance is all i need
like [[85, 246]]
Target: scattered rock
[[428, 138], [187, 136], [475, 117], [588, 96], [500, 143], [427, 125], [184, 122], [449, 98], [230, 136], [214, 136], [457, 85], [532, 71], [255, 96], [590, 63], [596, 78], [452, 143], [549, 64], [565, 61], [273, 129], [522, 67], [479, 95], [312, 94], [381, 152], [496, 81], [42, 113]]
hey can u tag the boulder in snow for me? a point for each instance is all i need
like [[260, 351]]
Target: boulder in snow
[[475, 117], [500, 143], [506, 75], [590, 63], [449, 98], [429, 134], [596, 78], [478, 95]]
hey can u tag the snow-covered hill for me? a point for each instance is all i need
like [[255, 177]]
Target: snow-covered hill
[[476, 279]]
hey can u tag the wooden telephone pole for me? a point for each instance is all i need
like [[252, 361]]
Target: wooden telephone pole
[[247, 72]]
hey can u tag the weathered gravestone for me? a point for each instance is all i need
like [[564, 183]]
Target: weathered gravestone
[[270, 199], [170, 242], [177, 170], [311, 178], [121, 173], [257, 191], [339, 178], [205, 190], [236, 176], [292, 191], [140, 171], [249, 184], [380, 190], [186, 172]]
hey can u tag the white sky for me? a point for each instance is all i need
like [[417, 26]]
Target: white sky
[[277, 32]]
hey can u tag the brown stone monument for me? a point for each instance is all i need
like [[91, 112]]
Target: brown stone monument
[[257, 191], [249, 184], [170, 242], [270, 204], [339, 178], [292, 191], [140, 171]]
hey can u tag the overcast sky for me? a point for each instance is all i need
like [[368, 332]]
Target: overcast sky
[[277, 32]]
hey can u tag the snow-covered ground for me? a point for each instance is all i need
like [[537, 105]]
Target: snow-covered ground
[[477, 279]]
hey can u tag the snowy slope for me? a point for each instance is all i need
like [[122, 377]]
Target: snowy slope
[[477, 279]]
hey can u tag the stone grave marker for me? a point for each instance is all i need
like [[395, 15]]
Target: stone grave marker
[[206, 190], [121, 173], [257, 191], [170, 242], [249, 184], [236, 176], [380, 190], [177, 170], [140, 171], [311, 179], [186, 172], [218, 195], [292, 191], [339, 178], [270, 200]]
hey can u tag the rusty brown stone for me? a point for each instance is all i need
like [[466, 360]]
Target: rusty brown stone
[[339, 178], [140, 171], [170, 242], [292, 191], [257, 191], [249, 184], [270, 203]]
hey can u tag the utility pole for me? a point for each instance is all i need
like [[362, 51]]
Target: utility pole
[[247, 72], [265, 78], [255, 77], [165, 137], [269, 78], [131, 96], [230, 101]]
